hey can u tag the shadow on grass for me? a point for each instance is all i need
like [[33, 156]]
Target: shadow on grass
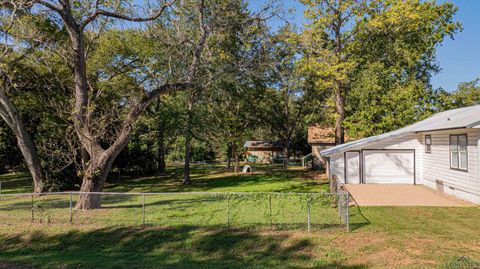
[[14, 177], [184, 247], [15, 183], [357, 218], [284, 181], [215, 177]]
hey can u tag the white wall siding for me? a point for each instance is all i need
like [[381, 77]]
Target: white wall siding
[[337, 167], [413, 142], [432, 169], [436, 167]]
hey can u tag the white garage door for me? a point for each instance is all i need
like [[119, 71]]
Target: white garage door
[[389, 166]]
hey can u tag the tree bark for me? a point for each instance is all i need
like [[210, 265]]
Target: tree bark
[[340, 109], [186, 166], [286, 152], [338, 86], [229, 155], [29, 152], [94, 179], [188, 139], [161, 166], [88, 199], [10, 115], [236, 156]]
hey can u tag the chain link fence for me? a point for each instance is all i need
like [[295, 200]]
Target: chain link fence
[[276, 211]]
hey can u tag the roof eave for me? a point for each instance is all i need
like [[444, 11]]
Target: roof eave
[[338, 149], [443, 129], [474, 124]]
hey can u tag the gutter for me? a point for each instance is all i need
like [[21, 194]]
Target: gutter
[[442, 129], [359, 143]]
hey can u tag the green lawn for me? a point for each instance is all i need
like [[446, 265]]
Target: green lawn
[[15, 183], [382, 237], [205, 178], [386, 237], [223, 206], [216, 178], [273, 211]]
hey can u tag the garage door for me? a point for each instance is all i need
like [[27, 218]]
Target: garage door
[[389, 166]]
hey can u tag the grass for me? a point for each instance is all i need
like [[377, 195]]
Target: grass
[[205, 178], [382, 237], [400, 237], [278, 211], [15, 183], [247, 211], [216, 178]]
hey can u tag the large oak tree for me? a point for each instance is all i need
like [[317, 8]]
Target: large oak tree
[[86, 21]]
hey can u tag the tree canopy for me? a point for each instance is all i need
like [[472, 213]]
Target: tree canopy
[[91, 88]]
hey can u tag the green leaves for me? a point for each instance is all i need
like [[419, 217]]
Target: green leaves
[[382, 52], [466, 94]]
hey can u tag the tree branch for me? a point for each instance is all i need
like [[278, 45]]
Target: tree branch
[[137, 109], [100, 12], [49, 5], [133, 115], [5, 116], [201, 44]]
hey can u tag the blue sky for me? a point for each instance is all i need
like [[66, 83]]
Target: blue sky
[[459, 59]]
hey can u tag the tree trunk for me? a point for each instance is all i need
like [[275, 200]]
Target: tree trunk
[[94, 180], [85, 157], [91, 185], [286, 152], [338, 87], [29, 152], [161, 166], [186, 166], [10, 115], [340, 105], [188, 139], [236, 156], [229, 156]]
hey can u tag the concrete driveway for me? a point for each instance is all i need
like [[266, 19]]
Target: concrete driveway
[[401, 195]]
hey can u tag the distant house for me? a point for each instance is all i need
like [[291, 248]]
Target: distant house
[[441, 152], [263, 151], [320, 138]]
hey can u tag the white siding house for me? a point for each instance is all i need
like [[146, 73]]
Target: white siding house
[[437, 170], [441, 152]]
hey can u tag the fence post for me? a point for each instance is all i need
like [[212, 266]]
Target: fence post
[[308, 214], [347, 210], [71, 208], [270, 209], [33, 217], [143, 209]]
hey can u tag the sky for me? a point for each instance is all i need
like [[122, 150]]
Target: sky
[[459, 59]]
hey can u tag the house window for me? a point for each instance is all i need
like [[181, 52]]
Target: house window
[[428, 143], [458, 152]]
